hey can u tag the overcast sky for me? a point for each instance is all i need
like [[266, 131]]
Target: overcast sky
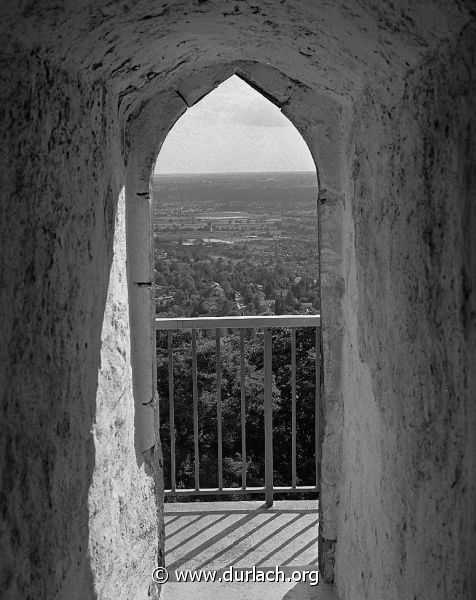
[[232, 129]]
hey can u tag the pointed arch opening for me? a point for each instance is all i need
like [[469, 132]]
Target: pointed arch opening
[[236, 235]]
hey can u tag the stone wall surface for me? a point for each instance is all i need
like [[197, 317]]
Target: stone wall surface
[[332, 290], [407, 495], [123, 524], [141, 46], [59, 190]]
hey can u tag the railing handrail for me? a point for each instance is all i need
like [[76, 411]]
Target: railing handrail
[[241, 322]]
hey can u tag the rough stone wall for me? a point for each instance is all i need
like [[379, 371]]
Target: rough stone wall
[[123, 532], [60, 176], [407, 496]]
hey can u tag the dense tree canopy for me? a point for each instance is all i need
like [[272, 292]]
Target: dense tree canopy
[[230, 378], [187, 279]]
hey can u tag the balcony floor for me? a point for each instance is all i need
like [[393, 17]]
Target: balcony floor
[[216, 535]]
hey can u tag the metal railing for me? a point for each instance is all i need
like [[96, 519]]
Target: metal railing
[[267, 323]]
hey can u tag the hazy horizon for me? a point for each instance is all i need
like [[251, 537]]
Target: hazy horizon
[[184, 173]]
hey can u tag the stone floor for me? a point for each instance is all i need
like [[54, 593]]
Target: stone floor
[[214, 536]]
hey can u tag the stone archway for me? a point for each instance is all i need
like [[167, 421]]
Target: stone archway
[[318, 119]]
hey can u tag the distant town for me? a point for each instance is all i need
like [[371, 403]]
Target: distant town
[[236, 244]]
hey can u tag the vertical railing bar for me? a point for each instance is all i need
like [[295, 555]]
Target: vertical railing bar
[[317, 407], [293, 408], [171, 412], [243, 409], [195, 408], [268, 416], [219, 410]]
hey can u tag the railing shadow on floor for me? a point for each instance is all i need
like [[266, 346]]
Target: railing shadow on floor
[[243, 534]]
